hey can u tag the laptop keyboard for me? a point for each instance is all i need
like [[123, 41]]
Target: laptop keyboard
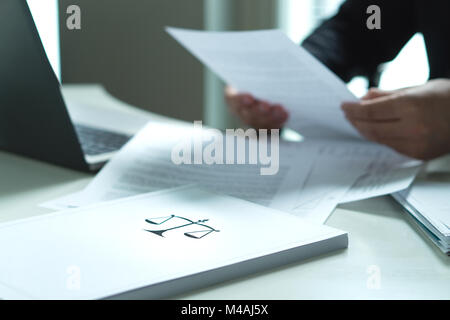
[[99, 141]]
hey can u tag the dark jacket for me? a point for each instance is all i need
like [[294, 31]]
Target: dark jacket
[[349, 48]]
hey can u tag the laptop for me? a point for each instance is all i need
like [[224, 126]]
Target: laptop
[[34, 120]]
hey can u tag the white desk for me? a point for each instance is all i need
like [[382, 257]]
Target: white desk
[[387, 257]]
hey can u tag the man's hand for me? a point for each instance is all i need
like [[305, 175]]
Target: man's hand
[[414, 121], [255, 113]]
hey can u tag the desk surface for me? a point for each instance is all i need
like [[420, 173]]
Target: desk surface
[[387, 257]]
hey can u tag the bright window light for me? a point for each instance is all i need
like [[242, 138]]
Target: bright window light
[[299, 17], [45, 15], [410, 68]]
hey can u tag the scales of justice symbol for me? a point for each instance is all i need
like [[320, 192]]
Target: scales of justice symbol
[[197, 234]]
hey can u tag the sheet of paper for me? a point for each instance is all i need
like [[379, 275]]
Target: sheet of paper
[[270, 66], [338, 166], [387, 171], [377, 183], [92, 105], [431, 200], [145, 165], [110, 248], [314, 177], [327, 183], [347, 171], [434, 229], [69, 201]]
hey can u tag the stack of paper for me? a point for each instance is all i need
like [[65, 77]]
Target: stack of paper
[[160, 243], [427, 203], [333, 165], [152, 246], [271, 67], [313, 177]]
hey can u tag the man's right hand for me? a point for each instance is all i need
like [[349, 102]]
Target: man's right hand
[[253, 112]]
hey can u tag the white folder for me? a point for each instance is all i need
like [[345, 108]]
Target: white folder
[[152, 246]]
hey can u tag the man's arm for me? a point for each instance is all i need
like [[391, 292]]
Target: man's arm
[[347, 47]]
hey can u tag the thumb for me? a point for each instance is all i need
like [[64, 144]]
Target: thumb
[[374, 93]]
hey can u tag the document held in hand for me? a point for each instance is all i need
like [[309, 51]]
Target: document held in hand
[[151, 246], [270, 66]]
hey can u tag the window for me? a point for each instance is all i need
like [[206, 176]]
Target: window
[[410, 68]]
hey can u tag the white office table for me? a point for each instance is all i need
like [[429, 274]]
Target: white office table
[[387, 257]]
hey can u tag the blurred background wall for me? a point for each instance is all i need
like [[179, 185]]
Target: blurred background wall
[[122, 45]]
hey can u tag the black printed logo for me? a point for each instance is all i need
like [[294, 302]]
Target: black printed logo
[[198, 229]]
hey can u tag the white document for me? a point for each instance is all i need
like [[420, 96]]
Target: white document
[[270, 66], [426, 202], [387, 171], [328, 182], [348, 171], [431, 200], [145, 165], [379, 183], [92, 105], [314, 177], [152, 246]]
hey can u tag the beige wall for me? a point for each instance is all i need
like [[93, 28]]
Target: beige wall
[[232, 15], [122, 45]]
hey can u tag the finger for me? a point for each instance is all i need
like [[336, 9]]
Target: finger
[[229, 90], [374, 93], [403, 137], [246, 113], [230, 94], [241, 102], [387, 108], [262, 115], [382, 131], [279, 116], [262, 112], [253, 112], [234, 98]]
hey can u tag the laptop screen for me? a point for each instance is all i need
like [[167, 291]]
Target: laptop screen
[[45, 15]]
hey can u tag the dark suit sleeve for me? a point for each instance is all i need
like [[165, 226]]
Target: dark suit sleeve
[[346, 46]]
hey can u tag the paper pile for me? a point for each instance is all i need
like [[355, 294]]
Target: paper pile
[[152, 246], [312, 179], [333, 165], [427, 203]]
